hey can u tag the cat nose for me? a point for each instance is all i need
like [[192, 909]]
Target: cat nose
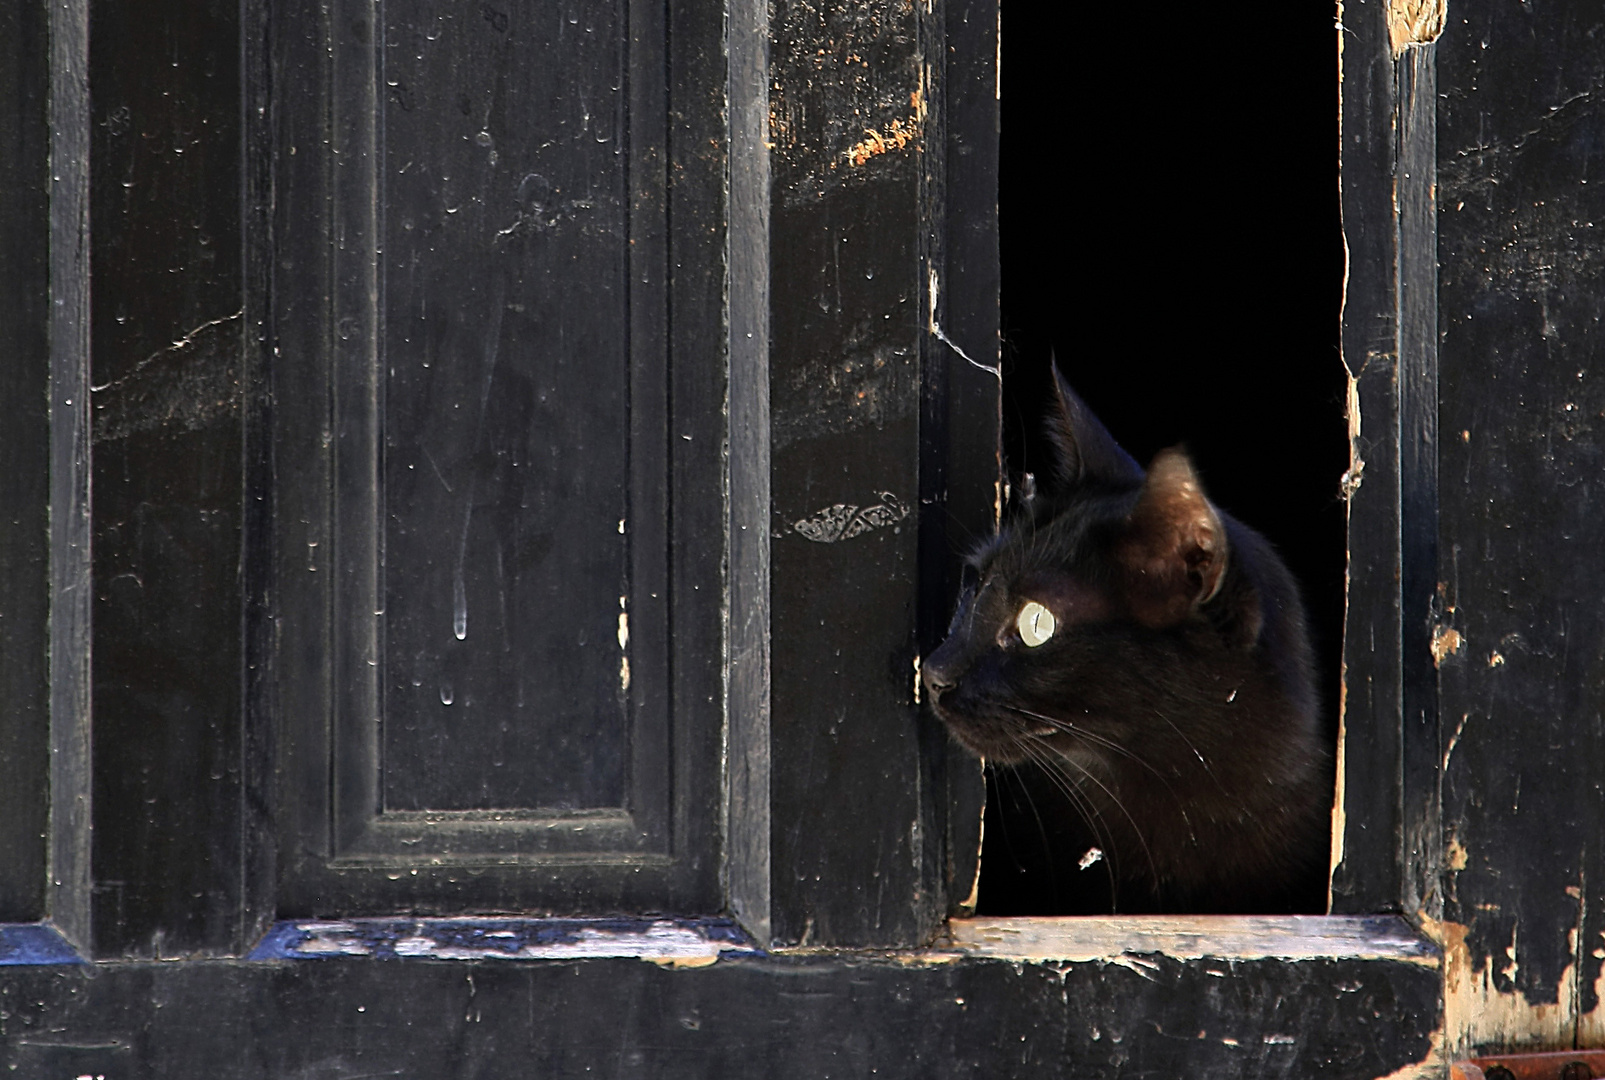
[[938, 678]]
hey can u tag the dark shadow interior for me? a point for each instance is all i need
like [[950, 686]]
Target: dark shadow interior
[[1170, 230]]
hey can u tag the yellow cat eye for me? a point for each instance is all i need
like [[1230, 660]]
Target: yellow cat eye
[[1035, 623]]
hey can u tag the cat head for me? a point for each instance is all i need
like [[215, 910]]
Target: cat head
[[1102, 598]]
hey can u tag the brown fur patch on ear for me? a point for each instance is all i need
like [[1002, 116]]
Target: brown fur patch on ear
[[1174, 548]]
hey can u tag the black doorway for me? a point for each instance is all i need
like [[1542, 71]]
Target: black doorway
[[1168, 206]]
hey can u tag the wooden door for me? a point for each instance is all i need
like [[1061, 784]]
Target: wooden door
[[479, 478]]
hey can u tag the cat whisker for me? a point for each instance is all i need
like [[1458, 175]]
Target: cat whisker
[[998, 774], [1084, 807], [1070, 728], [1197, 754], [1043, 757]]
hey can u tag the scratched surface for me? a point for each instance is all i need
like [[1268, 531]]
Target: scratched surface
[[1521, 465], [497, 420], [25, 448], [506, 400], [167, 353], [779, 1017]]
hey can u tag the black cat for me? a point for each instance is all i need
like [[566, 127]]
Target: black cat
[[1140, 661]]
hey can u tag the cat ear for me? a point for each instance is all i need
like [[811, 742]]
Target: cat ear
[[1174, 545], [1085, 452]]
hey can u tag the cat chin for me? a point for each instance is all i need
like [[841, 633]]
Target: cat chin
[[994, 749]]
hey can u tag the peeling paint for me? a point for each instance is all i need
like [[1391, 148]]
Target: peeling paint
[[1413, 23], [1478, 1014], [1085, 938], [674, 943], [182, 386], [1340, 821], [968, 905], [932, 293], [1446, 641], [1351, 479], [1429, 1067], [898, 134]]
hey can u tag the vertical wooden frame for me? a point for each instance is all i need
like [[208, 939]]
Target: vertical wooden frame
[[884, 458], [1369, 826], [746, 658], [26, 385], [662, 844], [71, 594]]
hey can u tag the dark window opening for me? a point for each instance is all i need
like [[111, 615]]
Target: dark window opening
[[1170, 231]]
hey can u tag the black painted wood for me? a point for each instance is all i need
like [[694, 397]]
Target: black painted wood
[[25, 450], [748, 820], [166, 326], [253, 511], [71, 591], [846, 329], [1419, 600], [961, 467], [777, 1017], [518, 541], [1522, 417], [865, 395], [499, 496], [1369, 834]]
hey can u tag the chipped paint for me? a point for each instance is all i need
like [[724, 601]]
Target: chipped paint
[[1340, 820], [1446, 641], [624, 639], [1478, 1014], [1351, 479], [932, 293], [1429, 1067], [968, 905], [183, 386], [23, 944], [897, 135], [673, 943], [1082, 939], [1413, 23]]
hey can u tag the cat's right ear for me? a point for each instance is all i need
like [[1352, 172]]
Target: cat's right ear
[[1084, 451]]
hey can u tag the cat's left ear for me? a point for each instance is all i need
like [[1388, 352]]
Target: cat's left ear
[[1174, 545]]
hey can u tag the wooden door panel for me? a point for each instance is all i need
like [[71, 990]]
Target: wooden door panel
[[480, 438]]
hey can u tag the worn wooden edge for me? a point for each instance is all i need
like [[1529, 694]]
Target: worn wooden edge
[[1067, 939], [746, 760], [70, 555], [35, 943], [1082, 939], [678, 942]]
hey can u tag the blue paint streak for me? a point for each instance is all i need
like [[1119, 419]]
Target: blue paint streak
[[488, 937], [35, 943]]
